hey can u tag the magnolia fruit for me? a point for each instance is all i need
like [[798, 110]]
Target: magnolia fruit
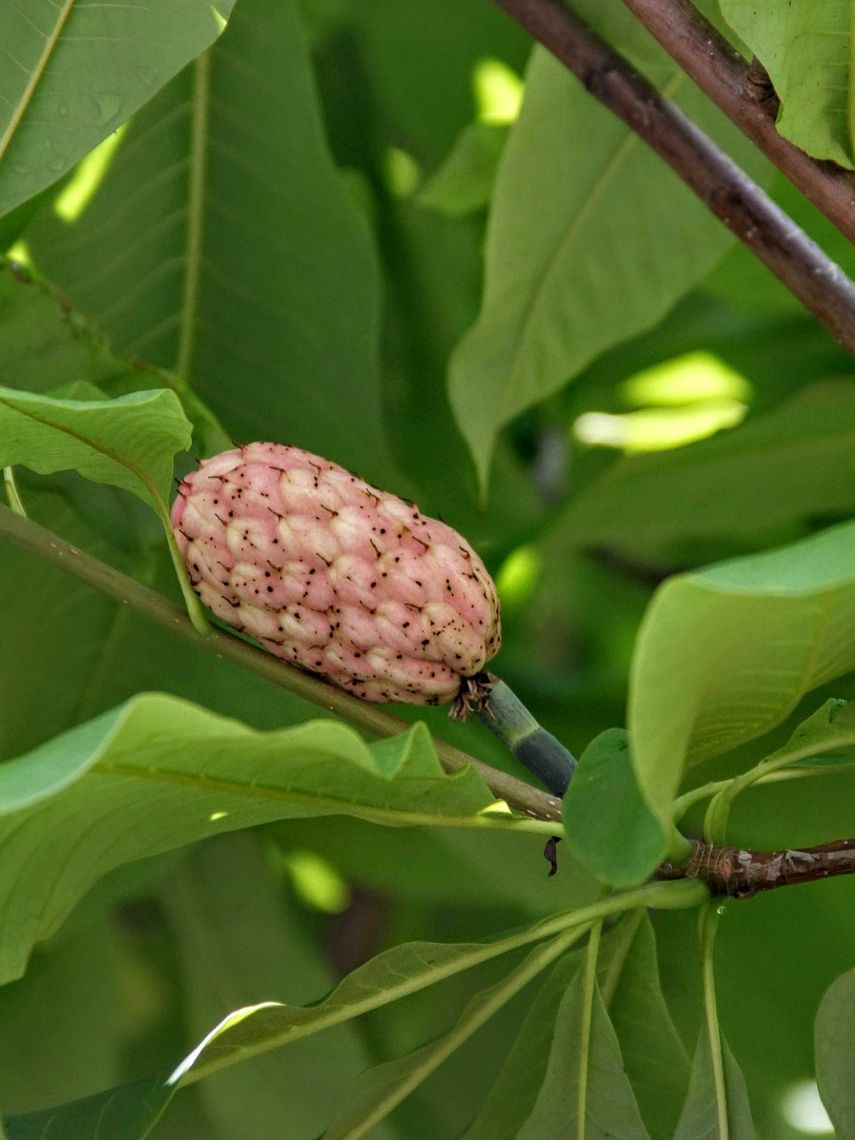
[[333, 575]]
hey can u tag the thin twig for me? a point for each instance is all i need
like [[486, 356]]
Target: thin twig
[[811, 276], [49, 546], [722, 74], [739, 874]]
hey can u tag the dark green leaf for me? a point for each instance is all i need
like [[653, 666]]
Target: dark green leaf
[[653, 1054], [245, 265], [513, 1095], [237, 938], [384, 1087], [126, 1113], [75, 71], [72, 1002], [700, 1117], [44, 343], [596, 1102]]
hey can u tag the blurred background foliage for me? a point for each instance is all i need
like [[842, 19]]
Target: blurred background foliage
[[296, 227]]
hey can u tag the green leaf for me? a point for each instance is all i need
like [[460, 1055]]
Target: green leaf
[[515, 1091], [182, 773], [835, 1040], [128, 442], [72, 1003], [44, 344], [610, 829], [699, 1118], [604, 1097], [464, 181], [807, 50], [55, 637], [653, 1054], [594, 250], [392, 975], [75, 71], [224, 245], [794, 462], [237, 938], [126, 1113], [381, 1089], [724, 654], [830, 728], [48, 346]]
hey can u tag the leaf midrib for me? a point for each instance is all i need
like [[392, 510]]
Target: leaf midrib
[[195, 214], [331, 805], [604, 179], [99, 449], [33, 82]]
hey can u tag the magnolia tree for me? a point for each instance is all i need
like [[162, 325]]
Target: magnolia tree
[[568, 278]]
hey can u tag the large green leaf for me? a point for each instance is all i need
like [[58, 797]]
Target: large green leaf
[[54, 637], [514, 1093], [384, 1087], [44, 345], [47, 345], [807, 50], [835, 1041], [127, 1113], [584, 1092], [653, 1054], [75, 69], [223, 244], [158, 773], [128, 442], [237, 939], [71, 1003], [256, 1029], [726, 653], [593, 250], [791, 463]]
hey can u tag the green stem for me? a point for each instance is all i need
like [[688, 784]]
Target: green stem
[[191, 600], [705, 791], [536, 749], [590, 982], [680, 895], [715, 823], [619, 953], [708, 926], [50, 547], [476, 1014]]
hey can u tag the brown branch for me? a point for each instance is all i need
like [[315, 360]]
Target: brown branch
[[739, 874], [812, 277], [31, 536], [732, 84]]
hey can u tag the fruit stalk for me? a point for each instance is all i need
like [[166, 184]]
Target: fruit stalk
[[539, 751]]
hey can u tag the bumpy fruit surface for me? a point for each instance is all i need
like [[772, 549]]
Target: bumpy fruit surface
[[333, 575]]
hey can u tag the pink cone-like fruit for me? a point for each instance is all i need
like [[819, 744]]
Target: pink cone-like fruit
[[331, 574]]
